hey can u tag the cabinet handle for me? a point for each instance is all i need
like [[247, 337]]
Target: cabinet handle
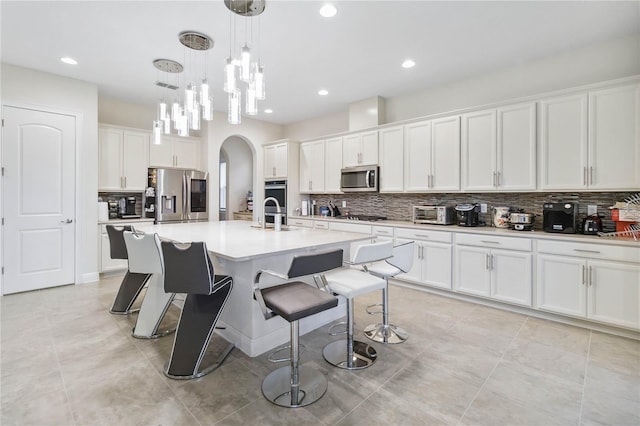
[[486, 262], [491, 262], [430, 181], [494, 178], [422, 252], [489, 242], [125, 182], [498, 178], [586, 251], [584, 275], [590, 275], [383, 232], [591, 175], [274, 171], [421, 235], [584, 175]]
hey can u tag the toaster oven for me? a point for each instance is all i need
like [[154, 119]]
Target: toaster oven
[[434, 215]]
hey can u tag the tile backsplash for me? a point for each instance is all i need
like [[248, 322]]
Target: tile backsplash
[[398, 206]]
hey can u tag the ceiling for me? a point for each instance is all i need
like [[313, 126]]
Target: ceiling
[[354, 55]]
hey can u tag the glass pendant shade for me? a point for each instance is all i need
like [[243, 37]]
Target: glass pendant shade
[[189, 97], [207, 110], [251, 106], [234, 108], [245, 64], [157, 132], [230, 76], [204, 92], [167, 125], [163, 110], [194, 118], [175, 112], [258, 77], [183, 124]]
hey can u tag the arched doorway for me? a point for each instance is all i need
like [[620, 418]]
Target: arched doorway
[[236, 176]]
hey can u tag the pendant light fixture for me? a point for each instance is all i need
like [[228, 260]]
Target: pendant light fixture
[[162, 124], [242, 68]]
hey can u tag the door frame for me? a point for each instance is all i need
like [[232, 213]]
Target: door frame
[[78, 220]]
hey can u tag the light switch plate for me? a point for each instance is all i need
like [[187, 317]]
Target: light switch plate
[[344, 203], [483, 208], [592, 209]]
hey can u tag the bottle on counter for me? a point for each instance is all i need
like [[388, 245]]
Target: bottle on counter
[[250, 201]]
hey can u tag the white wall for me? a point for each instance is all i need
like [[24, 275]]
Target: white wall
[[600, 62], [30, 88], [119, 113], [240, 174]]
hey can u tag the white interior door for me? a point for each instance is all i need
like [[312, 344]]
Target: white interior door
[[38, 199]]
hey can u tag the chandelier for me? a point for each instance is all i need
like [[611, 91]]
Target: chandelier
[[196, 102], [242, 71]]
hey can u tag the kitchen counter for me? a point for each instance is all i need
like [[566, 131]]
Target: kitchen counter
[[120, 221]]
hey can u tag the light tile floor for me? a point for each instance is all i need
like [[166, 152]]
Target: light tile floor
[[66, 361]]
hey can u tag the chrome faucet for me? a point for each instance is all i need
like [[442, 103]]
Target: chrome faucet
[[264, 211]]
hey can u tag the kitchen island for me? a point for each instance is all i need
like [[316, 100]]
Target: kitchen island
[[240, 250]]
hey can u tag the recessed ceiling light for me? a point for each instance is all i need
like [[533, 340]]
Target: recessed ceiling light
[[68, 60], [409, 63], [268, 111], [323, 92], [328, 10]]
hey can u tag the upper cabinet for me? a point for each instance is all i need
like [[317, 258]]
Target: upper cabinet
[[360, 149], [175, 151], [499, 149], [276, 161], [123, 159], [332, 165], [391, 159], [320, 164], [591, 141], [444, 168]]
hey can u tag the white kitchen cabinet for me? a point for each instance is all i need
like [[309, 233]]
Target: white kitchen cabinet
[[312, 167], [276, 160], [332, 165], [360, 149], [123, 159], [495, 267], [499, 149], [597, 282], [391, 156], [175, 151], [299, 221], [432, 155], [432, 257]]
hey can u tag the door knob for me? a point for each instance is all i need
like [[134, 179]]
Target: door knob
[[66, 221]]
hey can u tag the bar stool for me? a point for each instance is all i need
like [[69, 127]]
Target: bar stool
[[145, 257], [401, 262], [295, 385], [350, 283], [188, 269], [132, 282]]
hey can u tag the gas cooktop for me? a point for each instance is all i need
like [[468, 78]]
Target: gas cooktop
[[363, 217]]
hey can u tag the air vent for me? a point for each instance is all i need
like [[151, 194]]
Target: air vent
[[166, 85]]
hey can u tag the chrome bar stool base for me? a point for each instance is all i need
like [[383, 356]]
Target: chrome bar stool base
[[156, 335], [204, 371], [386, 333], [276, 387], [337, 353]]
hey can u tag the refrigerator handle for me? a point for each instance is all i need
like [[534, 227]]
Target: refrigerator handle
[[185, 197]]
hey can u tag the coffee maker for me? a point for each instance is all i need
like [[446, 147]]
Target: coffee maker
[[468, 214]]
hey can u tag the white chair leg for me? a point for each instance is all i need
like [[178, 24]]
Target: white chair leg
[[154, 306]]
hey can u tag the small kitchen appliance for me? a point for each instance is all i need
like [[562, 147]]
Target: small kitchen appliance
[[559, 217], [113, 209], [521, 221], [468, 214], [434, 215], [501, 217], [359, 179], [591, 225]]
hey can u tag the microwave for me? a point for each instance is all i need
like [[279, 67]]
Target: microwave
[[434, 215], [359, 179]]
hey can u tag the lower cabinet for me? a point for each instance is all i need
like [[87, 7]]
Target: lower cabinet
[[588, 284], [431, 259], [501, 273]]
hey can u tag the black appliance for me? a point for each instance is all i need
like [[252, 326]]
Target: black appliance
[[113, 209], [591, 225], [131, 206], [278, 190], [468, 214], [559, 217]]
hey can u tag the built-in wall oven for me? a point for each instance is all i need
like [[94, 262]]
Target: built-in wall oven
[[278, 190]]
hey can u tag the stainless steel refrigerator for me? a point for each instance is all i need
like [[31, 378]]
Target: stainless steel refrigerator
[[180, 195]]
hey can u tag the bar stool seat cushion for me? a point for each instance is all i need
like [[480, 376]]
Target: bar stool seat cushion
[[296, 300], [383, 269], [351, 283]]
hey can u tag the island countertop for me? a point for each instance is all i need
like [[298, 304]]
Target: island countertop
[[238, 240]]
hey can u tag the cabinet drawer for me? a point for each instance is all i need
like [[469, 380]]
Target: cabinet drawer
[[490, 241], [594, 251], [350, 227], [321, 225], [301, 222], [423, 234], [384, 231]]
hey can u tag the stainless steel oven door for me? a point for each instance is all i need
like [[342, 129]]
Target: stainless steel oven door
[[276, 189], [196, 184]]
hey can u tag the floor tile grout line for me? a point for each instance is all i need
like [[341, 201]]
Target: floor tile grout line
[[492, 371], [584, 382]]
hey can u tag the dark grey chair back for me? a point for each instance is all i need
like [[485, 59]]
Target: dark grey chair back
[[311, 264], [187, 270], [118, 248]]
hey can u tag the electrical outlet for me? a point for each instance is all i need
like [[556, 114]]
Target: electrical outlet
[[483, 208], [592, 209], [344, 203], [313, 203]]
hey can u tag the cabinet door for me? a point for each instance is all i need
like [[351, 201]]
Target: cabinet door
[[312, 167], [436, 267], [516, 147], [614, 293], [306, 160], [369, 151], [563, 139], [351, 147], [269, 161], [445, 154], [110, 157], [472, 271], [281, 153], [186, 154], [136, 160], [391, 160], [511, 276], [561, 284], [417, 145], [479, 151], [614, 138], [332, 165], [415, 273], [162, 155]]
